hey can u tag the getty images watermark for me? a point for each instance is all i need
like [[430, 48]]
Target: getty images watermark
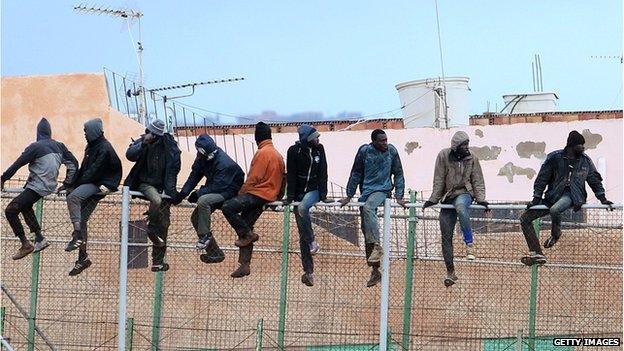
[[586, 342]]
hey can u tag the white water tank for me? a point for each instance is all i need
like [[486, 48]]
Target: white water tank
[[530, 103], [420, 100]]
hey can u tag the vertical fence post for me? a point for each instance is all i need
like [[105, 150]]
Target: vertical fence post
[[129, 333], [533, 296], [34, 284], [157, 310], [519, 340], [123, 268], [2, 316], [259, 332], [409, 273], [385, 278], [283, 279]]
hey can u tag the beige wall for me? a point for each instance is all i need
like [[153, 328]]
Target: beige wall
[[67, 101]]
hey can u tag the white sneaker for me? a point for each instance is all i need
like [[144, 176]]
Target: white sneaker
[[470, 252], [40, 245], [314, 248]]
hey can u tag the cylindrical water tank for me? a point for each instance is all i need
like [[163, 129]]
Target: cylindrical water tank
[[421, 102]]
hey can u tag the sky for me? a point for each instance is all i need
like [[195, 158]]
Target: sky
[[326, 55]]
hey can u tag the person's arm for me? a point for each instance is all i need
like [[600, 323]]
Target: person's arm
[[439, 177], [193, 179], [71, 164], [27, 156], [135, 150], [543, 177], [357, 172], [322, 176], [399, 180], [477, 181], [594, 179], [291, 173]]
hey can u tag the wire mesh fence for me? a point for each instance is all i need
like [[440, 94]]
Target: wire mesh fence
[[497, 304]]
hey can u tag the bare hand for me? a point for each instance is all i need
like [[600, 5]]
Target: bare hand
[[344, 201], [402, 202]]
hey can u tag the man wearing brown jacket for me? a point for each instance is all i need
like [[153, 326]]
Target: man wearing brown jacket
[[457, 180], [263, 185]]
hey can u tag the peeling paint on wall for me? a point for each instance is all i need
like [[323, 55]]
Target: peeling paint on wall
[[527, 148], [479, 133], [510, 170], [411, 146], [591, 140], [486, 153]]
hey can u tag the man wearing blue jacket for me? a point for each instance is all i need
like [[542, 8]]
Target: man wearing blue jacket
[[44, 158], [377, 170], [563, 176], [224, 179]]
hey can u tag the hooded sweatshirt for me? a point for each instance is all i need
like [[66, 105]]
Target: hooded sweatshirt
[[454, 176], [100, 165], [44, 158], [306, 166], [223, 175]]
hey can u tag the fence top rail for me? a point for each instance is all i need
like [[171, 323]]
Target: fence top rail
[[615, 206]]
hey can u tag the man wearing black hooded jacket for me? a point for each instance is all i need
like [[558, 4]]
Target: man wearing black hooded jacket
[[99, 174], [306, 168], [157, 158], [563, 175]]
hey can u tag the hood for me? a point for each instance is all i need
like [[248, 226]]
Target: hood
[[458, 138], [206, 142], [306, 133], [93, 129], [44, 131]]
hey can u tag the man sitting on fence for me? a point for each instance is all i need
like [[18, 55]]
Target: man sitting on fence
[[457, 180], [99, 174], [377, 171], [224, 179], [44, 158], [563, 175], [157, 158], [264, 184], [306, 168]]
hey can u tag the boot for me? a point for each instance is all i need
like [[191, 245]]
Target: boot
[[307, 279], [244, 259], [450, 279], [375, 277], [213, 254], [550, 242], [376, 254], [24, 250], [247, 239]]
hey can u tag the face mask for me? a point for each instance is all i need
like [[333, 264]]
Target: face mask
[[211, 155]]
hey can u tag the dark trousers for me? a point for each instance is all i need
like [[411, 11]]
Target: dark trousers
[[158, 220], [23, 204], [87, 206], [555, 211], [242, 212]]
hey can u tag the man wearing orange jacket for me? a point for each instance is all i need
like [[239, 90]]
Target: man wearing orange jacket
[[263, 185]]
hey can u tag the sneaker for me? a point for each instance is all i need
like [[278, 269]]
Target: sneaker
[[470, 252], [163, 267], [73, 244], [450, 279], [80, 266], [40, 245], [374, 279], [156, 240], [550, 242], [203, 242], [247, 239], [241, 271], [307, 279], [376, 254], [23, 251], [314, 248], [533, 258]]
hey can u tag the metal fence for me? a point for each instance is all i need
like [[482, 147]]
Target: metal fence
[[497, 304]]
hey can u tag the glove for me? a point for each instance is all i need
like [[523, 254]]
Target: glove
[[68, 189], [344, 201], [428, 204], [402, 202], [104, 190], [2, 184], [328, 201], [577, 207], [193, 197], [604, 201], [484, 204], [287, 202], [534, 202], [177, 199]]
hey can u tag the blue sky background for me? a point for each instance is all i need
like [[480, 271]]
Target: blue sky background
[[330, 56]]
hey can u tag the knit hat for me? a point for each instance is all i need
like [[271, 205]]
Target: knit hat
[[157, 127], [263, 132], [575, 138], [307, 133], [93, 129]]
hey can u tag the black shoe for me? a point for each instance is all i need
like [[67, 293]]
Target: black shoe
[[532, 259], [163, 267], [307, 279], [203, 242], [76, 242], [550, 242], [450, 279], [374, 279], [156, 240], [80, 266]]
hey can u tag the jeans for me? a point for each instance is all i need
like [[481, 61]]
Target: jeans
[[23, 204], [555, 211], [206, 205], [158, 220], [448, 219], [76, 197], [304, 225], [242, 212], [368, 216]]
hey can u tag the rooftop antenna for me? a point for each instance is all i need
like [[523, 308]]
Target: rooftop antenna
[[536, 71], [441, 92], [127, 15]]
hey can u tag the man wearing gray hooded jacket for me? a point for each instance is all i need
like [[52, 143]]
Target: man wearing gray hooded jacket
[[457, 180], [99, 174], [44, 158]]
